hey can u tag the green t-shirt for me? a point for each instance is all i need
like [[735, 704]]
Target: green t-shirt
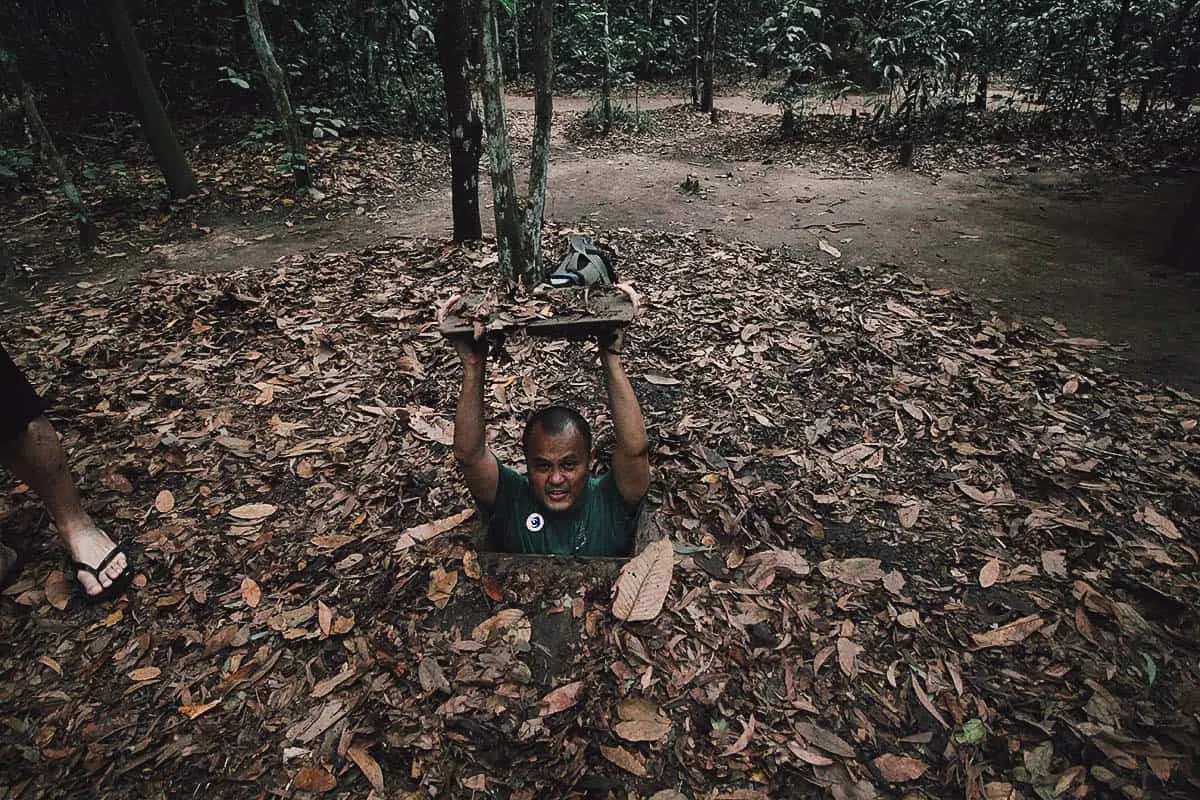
[[601, 524]]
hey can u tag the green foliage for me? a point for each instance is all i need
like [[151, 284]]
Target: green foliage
[[290, 162], [624, 118], [15, 166], [232, 76], [973, 732], [319, 122], [372, 63]]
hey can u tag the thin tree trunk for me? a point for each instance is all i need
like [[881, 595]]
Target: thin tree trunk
[[697, 58], [1114, 104], [66, 181], [539, 169], [181, 182], [516, 39], [277, 86], [455, 34], [981, 92], [504, 194], [606, 83], [710, 57]]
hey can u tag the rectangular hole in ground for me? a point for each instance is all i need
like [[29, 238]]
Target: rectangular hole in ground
[[647, 530]]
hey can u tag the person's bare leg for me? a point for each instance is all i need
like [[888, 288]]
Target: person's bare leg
[[36, 457]]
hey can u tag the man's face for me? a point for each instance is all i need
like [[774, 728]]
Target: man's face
[[559, 465]]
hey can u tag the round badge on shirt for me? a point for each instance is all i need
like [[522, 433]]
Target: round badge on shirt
[[535, 522]]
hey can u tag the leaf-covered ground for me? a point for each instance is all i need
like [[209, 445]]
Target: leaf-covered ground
[[918, 551]]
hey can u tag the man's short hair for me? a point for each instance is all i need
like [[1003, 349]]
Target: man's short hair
[[555, 420]]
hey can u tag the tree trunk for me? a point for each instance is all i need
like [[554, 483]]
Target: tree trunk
[[455, 36], [1114, 103], [504, 194], [606, 83], [66, 181], [516, 40], [697, 58], [981, 92], [710, 57], [539, 168], [277, 86], [1183, 251], [161, 136]]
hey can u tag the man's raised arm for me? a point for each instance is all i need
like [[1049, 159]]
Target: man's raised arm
[[631, 459], [470, 430]]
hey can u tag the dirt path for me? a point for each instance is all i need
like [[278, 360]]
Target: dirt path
[[1078, 249]]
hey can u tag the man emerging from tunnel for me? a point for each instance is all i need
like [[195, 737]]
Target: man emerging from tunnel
[[556, 507]]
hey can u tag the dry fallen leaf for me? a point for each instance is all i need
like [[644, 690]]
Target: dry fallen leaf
[[899, 769], [492, 589], [1159, 523], [314, 779], [434, 429], [251, 594], [58, 591], [118, 483], [661, 380], [764, 565], [742, 741], [998, 790], [430, 674], [193, 711], [560, 699], [324, 618], [808, 756], [630, 762], [1010, 634], [368, 766], [331, 541], [253, 511], [909, 515], [164, 502], [641, 721], [852, 571], [1054, 562], [847, 652], [989, 573], [144, 674], [471, 568], [441, 586], [326, 686], [1161, 767], [641, 588], [510, 625], [823, 739], [431, 530], [341, 625]]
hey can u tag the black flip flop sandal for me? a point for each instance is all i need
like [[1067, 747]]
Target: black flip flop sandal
[[117, 586]]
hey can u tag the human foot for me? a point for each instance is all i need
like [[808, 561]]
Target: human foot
[[98, 560]]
